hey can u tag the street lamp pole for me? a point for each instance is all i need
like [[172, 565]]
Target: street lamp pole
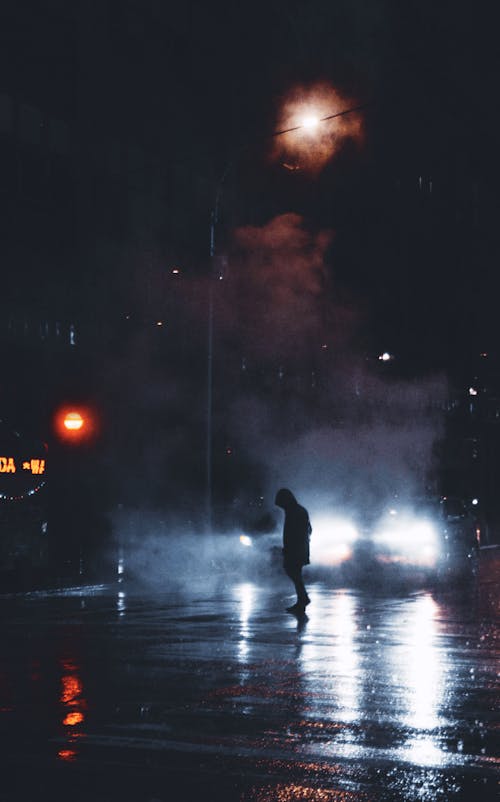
[[214, 218], [210, 369]]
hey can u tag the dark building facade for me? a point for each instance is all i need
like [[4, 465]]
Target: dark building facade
[[86, 236]]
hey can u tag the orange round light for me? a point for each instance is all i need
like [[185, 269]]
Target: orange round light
[[75, 424], [73, 421]]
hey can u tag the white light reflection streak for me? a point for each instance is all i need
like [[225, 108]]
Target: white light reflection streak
[[345, 657], [121, 603], [334, 660], [422, 671], [245, 594], [425, 752]]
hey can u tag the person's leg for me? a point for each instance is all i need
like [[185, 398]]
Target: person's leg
[[302, 597], [295, 574]]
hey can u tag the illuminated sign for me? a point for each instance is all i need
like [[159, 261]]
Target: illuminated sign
[[34, 466]]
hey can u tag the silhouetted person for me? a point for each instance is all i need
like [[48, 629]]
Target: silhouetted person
[[296, 532]]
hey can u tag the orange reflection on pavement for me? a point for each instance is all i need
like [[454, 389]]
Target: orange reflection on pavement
[[72, 719], [71, 689], [292, 793], [66, 754], [71, 697]]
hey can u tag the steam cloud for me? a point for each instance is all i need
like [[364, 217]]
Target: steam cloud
[[301, 406], [332, 427], [274, 305]]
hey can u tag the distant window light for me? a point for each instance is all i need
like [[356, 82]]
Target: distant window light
[[5, 113], [72, 334], [30, 124], [472, 391]]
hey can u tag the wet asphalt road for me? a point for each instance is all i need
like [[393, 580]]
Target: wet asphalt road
[[111, 693]]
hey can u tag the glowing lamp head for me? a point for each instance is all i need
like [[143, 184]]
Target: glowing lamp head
[[310, 123], [74, 424], [73, 421]]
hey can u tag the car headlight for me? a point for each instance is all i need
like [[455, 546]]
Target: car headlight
[[245, 540], [415, 541], [332, 540]]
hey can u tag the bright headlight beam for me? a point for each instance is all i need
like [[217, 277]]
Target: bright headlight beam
[[413, 540], [332, 540]]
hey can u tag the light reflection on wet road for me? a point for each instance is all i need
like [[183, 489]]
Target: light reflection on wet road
[[116, 695]]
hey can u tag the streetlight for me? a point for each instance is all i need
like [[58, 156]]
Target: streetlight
[[308, 111], [310, 123], [309, 120]]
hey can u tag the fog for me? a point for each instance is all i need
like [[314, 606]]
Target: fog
[[297, 403]]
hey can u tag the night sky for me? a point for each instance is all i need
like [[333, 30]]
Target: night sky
[[414, 207], [412, 203]]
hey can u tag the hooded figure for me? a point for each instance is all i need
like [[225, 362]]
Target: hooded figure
[[296, 532]]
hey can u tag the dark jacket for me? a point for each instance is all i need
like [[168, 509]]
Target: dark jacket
[[296, 530]]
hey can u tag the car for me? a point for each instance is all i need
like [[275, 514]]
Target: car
[[430, 538]]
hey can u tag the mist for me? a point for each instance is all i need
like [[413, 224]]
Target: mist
[[335, 425], [297, 403]]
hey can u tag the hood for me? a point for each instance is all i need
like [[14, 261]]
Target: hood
[[285, 498]]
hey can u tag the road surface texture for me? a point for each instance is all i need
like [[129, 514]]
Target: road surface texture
[[111, 693]]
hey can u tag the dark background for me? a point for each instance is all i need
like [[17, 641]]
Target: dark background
[[118, 123], [118, 119]]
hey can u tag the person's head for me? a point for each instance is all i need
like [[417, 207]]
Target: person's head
[[285, 499]]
